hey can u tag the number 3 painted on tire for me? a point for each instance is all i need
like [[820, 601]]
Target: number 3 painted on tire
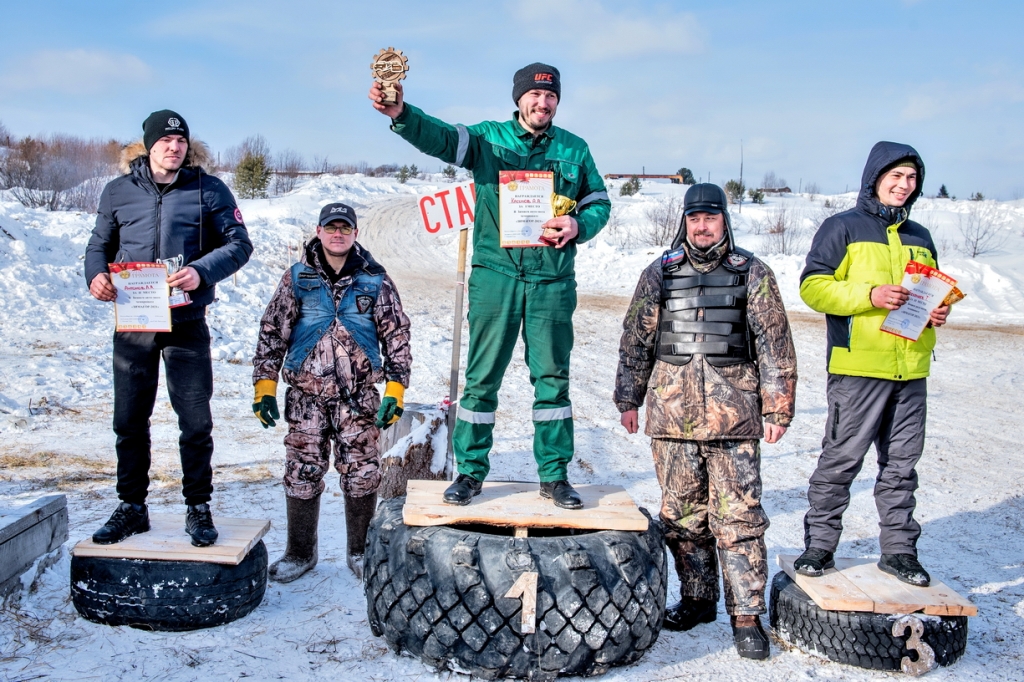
[[525, 588], [925, 654]]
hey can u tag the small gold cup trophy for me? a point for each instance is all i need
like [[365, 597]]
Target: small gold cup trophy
[[387, 68], [560, 205]]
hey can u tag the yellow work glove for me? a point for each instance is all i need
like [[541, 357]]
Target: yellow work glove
[[264, 404], [391, 407]]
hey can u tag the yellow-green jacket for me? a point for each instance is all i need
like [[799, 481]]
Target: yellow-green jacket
[[853, 252]]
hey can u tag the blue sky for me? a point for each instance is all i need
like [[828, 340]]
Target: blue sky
[[807, 86]]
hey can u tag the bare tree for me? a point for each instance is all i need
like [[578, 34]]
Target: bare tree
[[663, 220], [980, 232], [812, 190], [782, 232], [829, 208], [58, 172], [287, 166], [772, 181]]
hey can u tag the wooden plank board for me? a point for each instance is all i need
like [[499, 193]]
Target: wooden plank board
[[516, 504], [28, 533], [15, 521], [859, 585], [168, 541]]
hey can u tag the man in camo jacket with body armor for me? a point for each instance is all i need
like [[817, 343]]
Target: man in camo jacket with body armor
[[706, 344]]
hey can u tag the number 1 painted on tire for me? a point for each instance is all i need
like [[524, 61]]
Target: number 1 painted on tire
[[525, 588]]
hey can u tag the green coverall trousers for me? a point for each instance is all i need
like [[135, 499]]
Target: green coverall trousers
[[499, 306]]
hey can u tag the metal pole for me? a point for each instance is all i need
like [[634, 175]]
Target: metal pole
[[460, 287]]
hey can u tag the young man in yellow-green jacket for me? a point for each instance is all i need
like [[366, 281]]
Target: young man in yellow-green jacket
[[528, 289], [876, 381]]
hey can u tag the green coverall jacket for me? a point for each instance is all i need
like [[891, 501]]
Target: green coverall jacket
[[489, 147]]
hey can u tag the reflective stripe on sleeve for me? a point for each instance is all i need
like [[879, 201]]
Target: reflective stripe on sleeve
[[460, 156], [590, 198], [475, 417], [553, 414]]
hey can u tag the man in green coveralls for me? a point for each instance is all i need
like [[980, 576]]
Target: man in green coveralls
[[533, 289]]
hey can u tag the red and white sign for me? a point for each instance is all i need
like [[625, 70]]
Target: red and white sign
[[449, 208]]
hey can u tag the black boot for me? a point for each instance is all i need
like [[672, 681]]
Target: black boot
[[751, 640], [127, 520], [463, 490], [199, 525], [906, 568], [301, 553], [358, 512], [813, 562], [689, 613], [563, 494]]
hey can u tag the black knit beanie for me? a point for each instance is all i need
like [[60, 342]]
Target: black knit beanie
[[160, 123], [536, 76]]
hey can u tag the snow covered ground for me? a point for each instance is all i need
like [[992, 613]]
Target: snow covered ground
[[55, 395]]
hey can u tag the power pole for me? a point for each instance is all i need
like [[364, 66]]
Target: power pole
[[740, 200]]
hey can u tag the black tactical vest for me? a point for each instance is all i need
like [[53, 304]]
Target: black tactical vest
[[705, 314]]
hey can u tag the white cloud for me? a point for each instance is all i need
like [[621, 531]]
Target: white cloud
[[74, 72], [600, 34], [937, 99]]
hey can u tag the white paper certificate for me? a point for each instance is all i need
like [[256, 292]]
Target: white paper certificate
[[142, 297], [524, 200], [928, 288]]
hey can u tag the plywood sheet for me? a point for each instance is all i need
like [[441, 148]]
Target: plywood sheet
[[859, 585], [605, 507], [168, 541]]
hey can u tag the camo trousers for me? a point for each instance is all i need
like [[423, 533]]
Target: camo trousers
[[711, 491], [313, 424]]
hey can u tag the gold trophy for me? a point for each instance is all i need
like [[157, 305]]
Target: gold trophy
[[387, 68], [560, 205]]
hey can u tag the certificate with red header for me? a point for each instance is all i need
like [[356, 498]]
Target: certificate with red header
[[928, 288], [524, 205], [142, 297]]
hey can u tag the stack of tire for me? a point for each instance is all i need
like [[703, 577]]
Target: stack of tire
[[858, 638], [438, 593]]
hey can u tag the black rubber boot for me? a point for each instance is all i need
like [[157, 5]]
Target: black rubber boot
[[751, 641], [127, 520], [463, 490], [906, 568], [300, 555], [563, 494], [199, 525], [813, 562], [689, 612], [358, 512]]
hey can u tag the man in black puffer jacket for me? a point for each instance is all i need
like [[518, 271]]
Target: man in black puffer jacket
[[165, 207]]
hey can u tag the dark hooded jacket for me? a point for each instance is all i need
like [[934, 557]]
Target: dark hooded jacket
[[857, 250], [195, 216]]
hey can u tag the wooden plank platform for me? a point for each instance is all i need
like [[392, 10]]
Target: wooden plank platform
[[27, 533], [500, 503], [168, 541], [859, 585]]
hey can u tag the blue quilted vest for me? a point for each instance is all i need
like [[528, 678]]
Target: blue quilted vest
[[317, 311]]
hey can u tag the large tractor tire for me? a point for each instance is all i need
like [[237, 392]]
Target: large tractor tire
[[167, 595], [858, 638], [438, 593]]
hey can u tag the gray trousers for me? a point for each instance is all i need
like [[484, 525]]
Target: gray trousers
[[862, 411]]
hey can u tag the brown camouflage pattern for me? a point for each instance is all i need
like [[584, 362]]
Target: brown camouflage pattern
[[711, 492], [313, 425], [698, 401], [337, 366]]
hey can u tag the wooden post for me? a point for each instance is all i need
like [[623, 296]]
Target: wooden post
[[414, 462], [453, 395]]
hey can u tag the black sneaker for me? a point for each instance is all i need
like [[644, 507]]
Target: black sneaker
[[127, 520], [564, 495], [814, 561], [199, 524], [689, 613], [906, 568], [463, 490], [751, 641]]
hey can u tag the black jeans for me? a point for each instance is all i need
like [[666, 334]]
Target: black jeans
[[189, 371]]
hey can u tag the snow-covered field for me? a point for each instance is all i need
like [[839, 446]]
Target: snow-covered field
[[55, 395]]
